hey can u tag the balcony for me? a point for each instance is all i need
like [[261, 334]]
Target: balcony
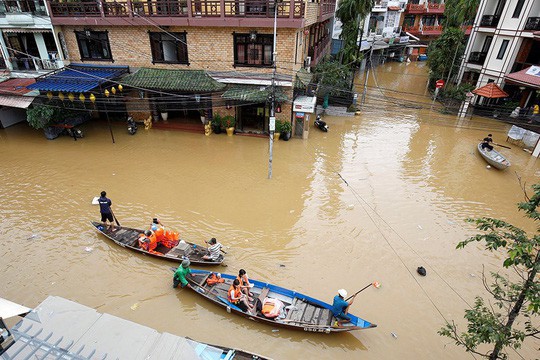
[[432, 29], [183, 12], [412, 29], [415, 8], [533, 23], [32, 64], [489, 21], [477, 57], [433, 8], [318, 51]]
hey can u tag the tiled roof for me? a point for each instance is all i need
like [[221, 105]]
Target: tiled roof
[[77, 78], [252, 93], [490, 91], [526, 77], [173, 80]]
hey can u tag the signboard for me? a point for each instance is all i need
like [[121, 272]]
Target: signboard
[[300, 115], [305, 104], [403, 39], [439, 84], [272, 124]]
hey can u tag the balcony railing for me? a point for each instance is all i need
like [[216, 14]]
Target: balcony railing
[[533, 23], [415, 8], [23, 6], [431, 29], [477, 57], [435, 8], [180, 8], [327, 7], [32, 64], [317, 51], [489, 20]]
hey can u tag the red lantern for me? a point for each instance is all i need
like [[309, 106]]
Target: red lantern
[[278, 108], [306, 32]]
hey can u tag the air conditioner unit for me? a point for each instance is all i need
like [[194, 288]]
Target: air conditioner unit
[[307, 62]]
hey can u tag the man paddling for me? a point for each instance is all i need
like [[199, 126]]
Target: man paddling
[[486, 143], [340, 307], [105, 209]]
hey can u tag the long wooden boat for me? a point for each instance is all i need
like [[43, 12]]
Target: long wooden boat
[[493, 158], [128, 238], [301, 312]]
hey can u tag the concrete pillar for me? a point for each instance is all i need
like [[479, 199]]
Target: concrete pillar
[[40, 42]]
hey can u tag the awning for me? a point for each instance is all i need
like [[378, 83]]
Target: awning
[[21, 102], [78, 78], [173, 80], [23, 30], [379, 45], [303, 78], [490, 91], [528, 77], [394, 8], [252, 93]]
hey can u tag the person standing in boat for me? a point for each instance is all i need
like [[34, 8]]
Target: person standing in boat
[[214, 247], [105, 209], [180, 275], [340, 307], [486, 143]]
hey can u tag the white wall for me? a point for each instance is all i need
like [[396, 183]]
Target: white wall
[[10, 116]]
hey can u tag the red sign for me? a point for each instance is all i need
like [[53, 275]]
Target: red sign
[[439, 84]]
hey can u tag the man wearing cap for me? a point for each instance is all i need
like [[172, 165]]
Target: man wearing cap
[[340, 307], [181, 274]]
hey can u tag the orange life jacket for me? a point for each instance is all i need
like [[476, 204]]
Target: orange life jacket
[[237, 293], [271, 307], [213, 279]]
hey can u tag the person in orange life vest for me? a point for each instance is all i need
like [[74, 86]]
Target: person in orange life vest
[[148, 242], [244, 282], [168, 238], [237, 298]]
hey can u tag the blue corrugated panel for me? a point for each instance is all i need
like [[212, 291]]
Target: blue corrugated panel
[[78, 78]]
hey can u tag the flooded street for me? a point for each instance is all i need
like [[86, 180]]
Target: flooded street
[[374, 198]]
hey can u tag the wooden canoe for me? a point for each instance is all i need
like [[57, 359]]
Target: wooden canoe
[[493, 158], [128, 238], [301, 312]]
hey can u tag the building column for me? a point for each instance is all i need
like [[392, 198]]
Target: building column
[[40, 42]]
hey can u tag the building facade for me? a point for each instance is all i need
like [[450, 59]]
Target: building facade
[[504, 41], [231, 41]]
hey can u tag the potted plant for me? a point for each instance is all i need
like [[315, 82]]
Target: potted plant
[[228, 123], [286, 129], [277, 132], [216, 123], [162, 109]]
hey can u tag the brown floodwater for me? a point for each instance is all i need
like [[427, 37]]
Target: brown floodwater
[[374, 198]]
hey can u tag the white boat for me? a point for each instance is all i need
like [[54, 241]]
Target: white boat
[[494, 158]]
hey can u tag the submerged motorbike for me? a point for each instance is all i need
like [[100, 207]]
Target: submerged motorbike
[[74, 132], [131, 126], [321, 124]]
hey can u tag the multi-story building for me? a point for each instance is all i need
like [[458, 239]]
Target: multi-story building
[[194, 48], [424, 18], [29, 45], [503, 44], [384, 20]]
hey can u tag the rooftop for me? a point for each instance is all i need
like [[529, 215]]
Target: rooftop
[[173, 80]]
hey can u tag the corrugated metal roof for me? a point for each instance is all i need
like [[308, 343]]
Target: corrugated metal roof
[[21, 102], [529, 77], [78, 78], [15, 86], [490, 91], [173, 80]]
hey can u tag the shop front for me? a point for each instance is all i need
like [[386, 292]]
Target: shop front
[[303, 111]]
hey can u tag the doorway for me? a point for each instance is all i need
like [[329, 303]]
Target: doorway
[[253, 118]]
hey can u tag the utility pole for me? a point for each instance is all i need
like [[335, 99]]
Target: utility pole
[[272, 122], [368, 65]]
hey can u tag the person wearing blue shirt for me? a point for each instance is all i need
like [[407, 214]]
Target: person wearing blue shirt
[[340, 307], [105, 209]]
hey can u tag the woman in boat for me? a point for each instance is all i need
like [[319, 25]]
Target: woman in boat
[[237, 298], [244, 282]]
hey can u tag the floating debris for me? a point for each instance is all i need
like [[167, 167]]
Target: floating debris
[[88, 249], [275, 330], [281, 265], [33, 236], [394, 335], [350, 207], [134, 306], [472, 275], [420, 227]]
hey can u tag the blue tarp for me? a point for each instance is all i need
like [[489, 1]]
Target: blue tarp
[[78, 78]]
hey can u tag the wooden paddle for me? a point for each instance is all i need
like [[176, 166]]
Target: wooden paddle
[[503, 146], [375, 284], [114, 217]]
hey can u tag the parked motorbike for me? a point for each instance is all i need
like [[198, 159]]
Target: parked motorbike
[[321, 124], [131, 126], [74, 132]]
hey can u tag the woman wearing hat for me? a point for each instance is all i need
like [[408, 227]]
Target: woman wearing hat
[[181, 273], [340, 307]]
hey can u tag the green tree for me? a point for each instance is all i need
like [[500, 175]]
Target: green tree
[[459, 12], [494, 324], [333, 78], [444, 54], [39, 115], [351, 14]]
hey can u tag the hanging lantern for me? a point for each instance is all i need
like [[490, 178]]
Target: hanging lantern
[[120, 87], [82, 97], [71, 97], [92, 98], [278, 108], [49, 95], [61, 96], [106, 92], [113, 90]]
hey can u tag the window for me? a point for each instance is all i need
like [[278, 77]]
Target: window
[[519, 7], [502, 50], [409, 20], [170, 48], [94, 45], [429, 20], [487, 44], [253, 49]]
